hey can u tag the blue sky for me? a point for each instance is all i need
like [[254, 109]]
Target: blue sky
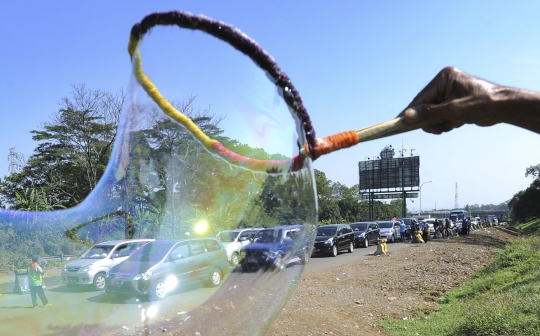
[[355, 63]]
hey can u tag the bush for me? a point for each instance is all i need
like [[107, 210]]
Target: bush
[[35, 248], [52, 249], [68, 248]]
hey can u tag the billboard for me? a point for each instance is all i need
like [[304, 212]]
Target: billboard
[[389, 173], [368, 196]]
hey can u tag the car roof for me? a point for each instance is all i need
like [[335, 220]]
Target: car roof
[[284, 227], [120, 241], [332, 225], [240, 230]]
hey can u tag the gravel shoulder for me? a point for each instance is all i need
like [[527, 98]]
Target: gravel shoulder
[[349, 299]]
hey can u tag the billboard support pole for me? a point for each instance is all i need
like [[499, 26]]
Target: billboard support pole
[[403, 203]]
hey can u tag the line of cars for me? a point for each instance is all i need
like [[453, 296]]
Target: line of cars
[[152, 268], [147, 267]]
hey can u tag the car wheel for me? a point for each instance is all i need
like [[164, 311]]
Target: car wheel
[[334, 251], [351, 247], [278, 264], [366, 242], [99, 281], [158, 291], [305, 257], [245, 266], [235, 258], [215, 278]]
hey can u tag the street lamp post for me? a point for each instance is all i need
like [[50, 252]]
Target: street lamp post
[[421, 195]]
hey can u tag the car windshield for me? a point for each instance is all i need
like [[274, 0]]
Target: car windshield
[[359, 227], [151, 252], [228, 236], [268, 236], [98, 252], [328, 231], [407, 221], [386, 225]]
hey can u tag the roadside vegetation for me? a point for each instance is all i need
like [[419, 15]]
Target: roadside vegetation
[[501, 299]]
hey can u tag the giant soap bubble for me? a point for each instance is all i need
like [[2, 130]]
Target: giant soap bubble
[[165, 181]]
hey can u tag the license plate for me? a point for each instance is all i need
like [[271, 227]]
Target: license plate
[[73, 280], [252, 260]]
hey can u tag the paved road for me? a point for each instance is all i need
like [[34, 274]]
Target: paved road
[[97, 310]]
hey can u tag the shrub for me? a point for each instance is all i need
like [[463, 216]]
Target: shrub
[[52, 249]]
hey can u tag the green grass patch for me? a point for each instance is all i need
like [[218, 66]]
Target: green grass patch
[[501, 299], [531, 228]]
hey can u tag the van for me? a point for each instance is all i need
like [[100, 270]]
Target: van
[[94, 265], [159, 267]]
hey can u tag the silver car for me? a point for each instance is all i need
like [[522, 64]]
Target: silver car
[[235, 240], [94, 265], [389, 230]]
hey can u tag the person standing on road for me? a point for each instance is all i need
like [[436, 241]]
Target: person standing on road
[[436, 227], [35, 282], [425, 231], [402, 230]]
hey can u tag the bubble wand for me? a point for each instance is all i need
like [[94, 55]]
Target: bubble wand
[[312, 148]]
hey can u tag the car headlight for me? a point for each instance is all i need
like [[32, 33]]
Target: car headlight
[[65, 269], [144, 276], [362, 235], [270, 254], [328, 241], [86, 268]]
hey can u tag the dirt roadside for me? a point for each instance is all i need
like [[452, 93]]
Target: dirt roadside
[[347, 300]]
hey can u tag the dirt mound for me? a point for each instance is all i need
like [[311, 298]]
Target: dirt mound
[[348, 299]]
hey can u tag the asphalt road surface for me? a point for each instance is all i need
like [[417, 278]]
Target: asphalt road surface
[[86, 311]]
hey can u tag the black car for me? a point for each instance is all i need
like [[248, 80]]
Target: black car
[[365, 233], [275, 248], [155, 269], [333, 238]]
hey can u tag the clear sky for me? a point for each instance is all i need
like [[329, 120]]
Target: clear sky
[[355, 63]]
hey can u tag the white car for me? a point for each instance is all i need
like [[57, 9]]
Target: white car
[[389, 230], [430, 222], [93, 266], [235, 240]]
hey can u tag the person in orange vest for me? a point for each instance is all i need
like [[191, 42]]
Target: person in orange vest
[[35, 282]]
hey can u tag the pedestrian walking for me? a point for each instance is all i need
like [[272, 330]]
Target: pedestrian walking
[[35, 281], [402, 230]]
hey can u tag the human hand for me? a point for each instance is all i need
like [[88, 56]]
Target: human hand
[[454, 98]]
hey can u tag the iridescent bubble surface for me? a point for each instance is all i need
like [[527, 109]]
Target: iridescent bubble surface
[[162, 184]]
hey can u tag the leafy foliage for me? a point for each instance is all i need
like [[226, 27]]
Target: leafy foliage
[[524, 204]]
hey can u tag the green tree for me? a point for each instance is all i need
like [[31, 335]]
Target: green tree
[[524, 205]]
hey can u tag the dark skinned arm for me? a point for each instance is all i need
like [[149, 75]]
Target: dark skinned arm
[[454, 98]]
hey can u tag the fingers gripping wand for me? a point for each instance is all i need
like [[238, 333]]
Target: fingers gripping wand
[[312, 148]]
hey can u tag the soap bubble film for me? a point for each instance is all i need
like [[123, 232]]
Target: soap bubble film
[[161, 183]]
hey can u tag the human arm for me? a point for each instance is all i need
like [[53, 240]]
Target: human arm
[[454, 98]]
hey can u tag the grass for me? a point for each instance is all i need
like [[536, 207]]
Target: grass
[[531, 228], [501, 299]]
